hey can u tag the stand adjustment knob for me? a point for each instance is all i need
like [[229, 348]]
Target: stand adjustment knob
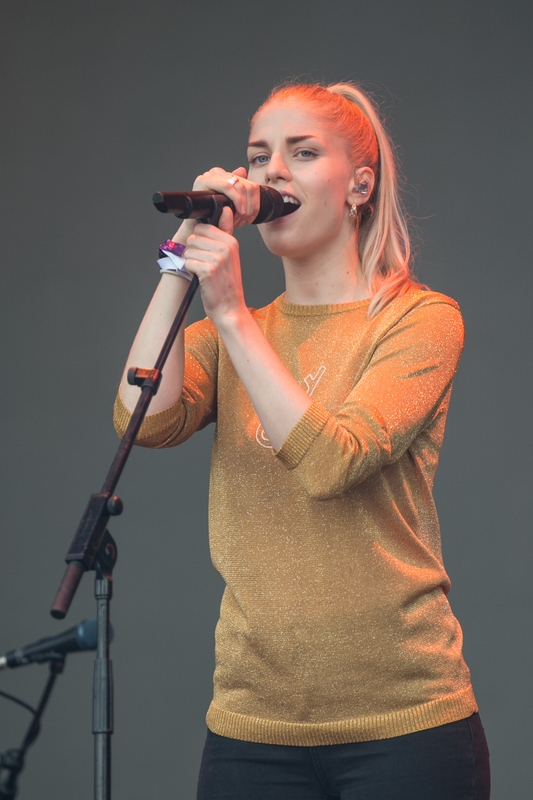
[[115, 506]]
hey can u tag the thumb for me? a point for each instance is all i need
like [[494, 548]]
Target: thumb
[[225, 222]]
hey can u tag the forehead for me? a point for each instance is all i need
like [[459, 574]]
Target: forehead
[[281, 120]]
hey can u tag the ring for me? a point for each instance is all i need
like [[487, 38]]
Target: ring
[[233, 180]]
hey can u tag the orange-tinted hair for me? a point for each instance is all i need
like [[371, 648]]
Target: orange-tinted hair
[[383, 238]]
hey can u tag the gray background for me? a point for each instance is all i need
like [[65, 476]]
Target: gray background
[[104, 103]]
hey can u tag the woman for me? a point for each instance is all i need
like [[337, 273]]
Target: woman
[[339, 670]]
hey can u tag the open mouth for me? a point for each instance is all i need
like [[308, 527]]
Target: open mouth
[[275, 211], [290, 201], [288, 198], [290, 205]]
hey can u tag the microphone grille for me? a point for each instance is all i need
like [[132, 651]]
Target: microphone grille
[[271, 205], [86, 634]]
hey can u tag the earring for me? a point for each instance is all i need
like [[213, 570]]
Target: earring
[[353, 211]]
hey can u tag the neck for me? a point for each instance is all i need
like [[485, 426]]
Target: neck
[[328, 277]]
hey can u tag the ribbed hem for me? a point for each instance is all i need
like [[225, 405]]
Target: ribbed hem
[[303, 435], [362, 729], [155, 428]]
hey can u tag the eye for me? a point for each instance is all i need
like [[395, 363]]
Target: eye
[[305, 154], [258, 160]]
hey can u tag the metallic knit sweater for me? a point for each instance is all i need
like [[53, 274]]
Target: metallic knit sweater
[[334, 625]]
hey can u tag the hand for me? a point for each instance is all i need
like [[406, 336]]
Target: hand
[[213, 255], [244, 194]]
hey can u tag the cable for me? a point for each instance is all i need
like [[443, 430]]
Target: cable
[[19, 702]]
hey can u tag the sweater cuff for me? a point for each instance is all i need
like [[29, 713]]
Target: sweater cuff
[[303, 435], [155, 428]]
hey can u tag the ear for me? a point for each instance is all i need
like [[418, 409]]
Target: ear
[[361, 186]]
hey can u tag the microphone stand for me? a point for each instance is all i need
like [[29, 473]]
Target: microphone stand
[[93, 547], [13, 760]]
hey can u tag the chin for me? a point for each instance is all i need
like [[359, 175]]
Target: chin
[[285, 246], [282, 236], [293, 243]]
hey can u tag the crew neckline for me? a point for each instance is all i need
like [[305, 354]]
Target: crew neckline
[[297, 310]]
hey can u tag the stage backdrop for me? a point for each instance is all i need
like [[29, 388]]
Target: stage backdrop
[[104, 103]]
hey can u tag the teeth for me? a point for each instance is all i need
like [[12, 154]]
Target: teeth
[[288, 199]]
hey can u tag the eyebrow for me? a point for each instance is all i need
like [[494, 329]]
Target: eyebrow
[[289, 140]]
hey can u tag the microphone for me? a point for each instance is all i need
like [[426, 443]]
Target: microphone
[[81, 637], [202, 205]]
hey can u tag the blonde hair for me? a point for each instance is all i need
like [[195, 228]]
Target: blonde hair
[[383, 237]]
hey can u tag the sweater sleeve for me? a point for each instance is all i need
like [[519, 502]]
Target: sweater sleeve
[[398, 395], [197, 406]]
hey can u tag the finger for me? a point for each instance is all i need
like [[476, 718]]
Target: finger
[[248, 203], [210, 237], [243, 194], [220, 181], [212, 180], [245, 210], [236, 190], [225, 222], [206, 231], [250, 196]]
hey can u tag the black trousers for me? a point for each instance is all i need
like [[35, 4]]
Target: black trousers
[[450, 762]]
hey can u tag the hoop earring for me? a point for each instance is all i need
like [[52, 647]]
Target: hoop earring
[[353, 211]]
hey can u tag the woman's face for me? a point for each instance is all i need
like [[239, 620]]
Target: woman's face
[[296, 152]]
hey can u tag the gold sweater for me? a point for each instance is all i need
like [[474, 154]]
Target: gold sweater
[[334, 625]]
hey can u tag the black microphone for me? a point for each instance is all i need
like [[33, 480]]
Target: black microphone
[[82, 637], [202, 205]]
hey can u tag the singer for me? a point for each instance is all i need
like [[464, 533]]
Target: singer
[[339, 667]]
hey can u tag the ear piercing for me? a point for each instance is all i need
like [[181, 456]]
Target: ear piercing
[[360, 188]]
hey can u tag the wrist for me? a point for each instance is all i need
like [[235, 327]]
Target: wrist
[[171, 259], [235, 323], [184, 231], [176, 287]]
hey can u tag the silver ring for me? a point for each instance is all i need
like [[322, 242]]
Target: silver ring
[[233, 180]]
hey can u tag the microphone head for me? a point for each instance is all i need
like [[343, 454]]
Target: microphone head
[[288, 208], [272, 205], [87, 634]]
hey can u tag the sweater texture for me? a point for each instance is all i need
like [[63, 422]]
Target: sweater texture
[[334, 624]]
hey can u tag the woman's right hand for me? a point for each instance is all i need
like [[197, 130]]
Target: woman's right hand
[[244, 195]]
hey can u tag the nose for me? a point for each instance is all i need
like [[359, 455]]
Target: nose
[[277, 169]]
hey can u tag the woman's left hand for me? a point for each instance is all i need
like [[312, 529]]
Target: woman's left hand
[[213, 255]]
